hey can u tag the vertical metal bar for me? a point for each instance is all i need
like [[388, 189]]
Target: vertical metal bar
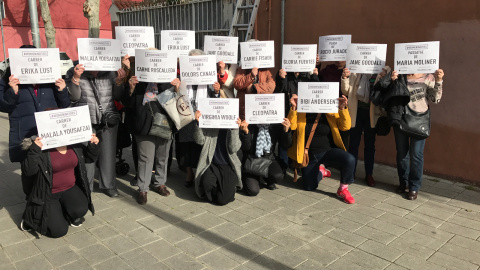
[[1, 23], [32, 5]]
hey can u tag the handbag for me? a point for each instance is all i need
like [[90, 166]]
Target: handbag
[[382, 128], [110, 117], [306, 158], [160, 125], [178, 109], [257, 166], [415, 124]]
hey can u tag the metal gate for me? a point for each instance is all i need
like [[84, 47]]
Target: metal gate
[[205, 17]]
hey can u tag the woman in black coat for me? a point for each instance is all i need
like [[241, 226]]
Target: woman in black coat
[[258, 142], [60, 194]]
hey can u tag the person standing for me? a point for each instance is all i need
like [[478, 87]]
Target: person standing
[[364, 116], [152, 151], [423, 88], [95, 89]]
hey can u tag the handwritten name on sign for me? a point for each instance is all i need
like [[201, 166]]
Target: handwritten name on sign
[[366, 58], [264, 108], [225, 48], [419, 57], [31, 66], [259, 54], [218, 112], [317, 97], [134, 37], [299, 58], [64, 126], [178, 41], [99, 54], [334, 47], [155, 66]]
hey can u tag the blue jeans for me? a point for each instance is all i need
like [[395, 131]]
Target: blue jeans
[[362, 125], [409, 159], [336, 158]]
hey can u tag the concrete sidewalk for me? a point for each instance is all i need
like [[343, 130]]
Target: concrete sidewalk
[[287, 228]]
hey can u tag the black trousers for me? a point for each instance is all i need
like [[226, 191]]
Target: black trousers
[[251, 184], [64, 207], [219, 184]]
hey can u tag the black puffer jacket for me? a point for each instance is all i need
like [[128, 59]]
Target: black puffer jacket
[[37, 165], [289, 85], [392, 96], [139, 117]]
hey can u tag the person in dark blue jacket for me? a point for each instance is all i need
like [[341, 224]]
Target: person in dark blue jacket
[[21, 101]]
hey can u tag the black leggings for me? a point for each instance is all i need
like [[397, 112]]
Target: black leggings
[[251, 184], [63, 207], [219, 184]]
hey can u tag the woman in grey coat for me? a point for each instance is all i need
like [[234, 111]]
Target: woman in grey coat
[[218, 174], [108, 86]]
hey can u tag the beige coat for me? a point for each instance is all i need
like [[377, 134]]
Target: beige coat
[[349, 88]]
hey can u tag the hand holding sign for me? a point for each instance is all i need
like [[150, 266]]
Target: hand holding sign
[[94, 139], [394, 75], [216, 87], [77, 73], [221, 68], [121, 74], [315, 71], [60, 83], [132, 82], [293, 101], [286, 124], [342, 102], [254, 72], [282, 73], [438, 75], [346, 73], [13, 82], [38, 142], [126, 61], [244, 126], [198, 114], [176, 83]]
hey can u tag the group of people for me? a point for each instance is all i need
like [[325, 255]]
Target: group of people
[[218, 162]]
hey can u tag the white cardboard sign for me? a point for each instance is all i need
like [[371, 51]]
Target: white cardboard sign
[[218, 112], [418, 57], [99, 54], [366, 58], [299, 58], [317, 97], [257, 54], [64, 126], [155, 66], [334, 47], [178, 41], [32, 66], [264, 108], [134, 37], [198, 69], [225, 48]]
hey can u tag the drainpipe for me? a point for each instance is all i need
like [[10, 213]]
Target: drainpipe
[[269, 19], [282, 25], [32, 4], [2, 11]]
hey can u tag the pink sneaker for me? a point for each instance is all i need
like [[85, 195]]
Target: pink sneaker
[[325, 172], [345, 194]]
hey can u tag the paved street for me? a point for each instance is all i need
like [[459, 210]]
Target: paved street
[[283, 229]]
